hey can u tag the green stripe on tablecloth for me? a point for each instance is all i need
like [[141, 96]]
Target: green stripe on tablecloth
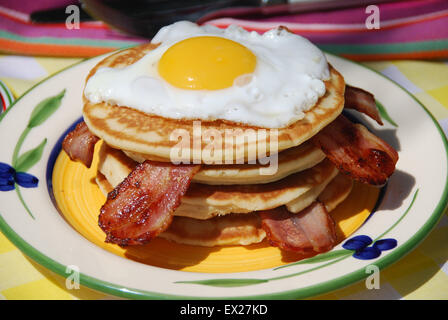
[[68, 41], [420, 46], [382, 48]]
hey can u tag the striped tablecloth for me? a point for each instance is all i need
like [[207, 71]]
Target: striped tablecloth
[[413, 29], [423, 274]]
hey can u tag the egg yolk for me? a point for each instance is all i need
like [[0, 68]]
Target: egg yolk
[[205, 63]]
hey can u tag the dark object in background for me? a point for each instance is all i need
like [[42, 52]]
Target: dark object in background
[[145, 17], [58, 15]]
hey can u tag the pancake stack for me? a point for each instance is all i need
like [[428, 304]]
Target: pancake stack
[[225, 137], [223, 201]]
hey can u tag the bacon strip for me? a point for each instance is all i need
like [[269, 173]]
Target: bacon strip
[[79, 144], [362, 101], [311, 230], [356, 151], [141, 206]]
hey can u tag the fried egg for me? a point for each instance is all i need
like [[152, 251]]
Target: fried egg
[[203, 72]]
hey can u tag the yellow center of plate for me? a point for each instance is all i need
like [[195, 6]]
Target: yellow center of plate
[[80, 199]]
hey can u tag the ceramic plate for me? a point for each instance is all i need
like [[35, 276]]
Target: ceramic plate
[[58, 231]]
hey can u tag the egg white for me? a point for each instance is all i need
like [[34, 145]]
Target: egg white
[[287, 81]]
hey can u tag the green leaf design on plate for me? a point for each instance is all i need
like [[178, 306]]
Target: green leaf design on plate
[[45, 109], [226, 282], [320, 258], [384, 114], [19, 194], [30, 158]]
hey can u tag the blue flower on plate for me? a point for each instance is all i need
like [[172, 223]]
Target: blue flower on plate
[[362, 249], [9, 177]]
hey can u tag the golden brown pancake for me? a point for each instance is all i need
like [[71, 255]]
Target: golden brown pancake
[[290, 161], [154, 137], [206, 201], [336, 191], [234, 229]]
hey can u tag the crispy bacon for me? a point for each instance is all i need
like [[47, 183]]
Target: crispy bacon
[[362, 101], [356, 151], [79, 144], [141, 206], [311, 230]]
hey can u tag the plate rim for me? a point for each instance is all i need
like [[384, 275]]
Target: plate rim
[[313, 290]]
